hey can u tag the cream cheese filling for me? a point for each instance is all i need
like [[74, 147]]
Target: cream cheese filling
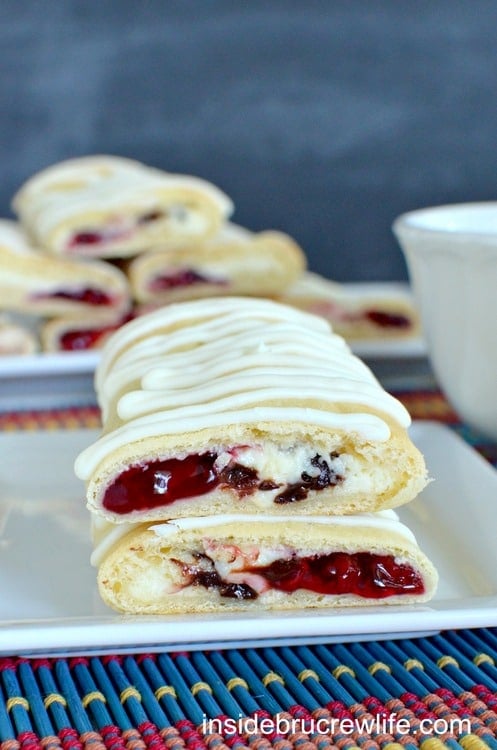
[[161, 571], [106, 534]]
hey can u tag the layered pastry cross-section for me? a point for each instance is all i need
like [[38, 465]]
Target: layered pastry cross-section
[[31, 282], [252, 563], [109, 206], [247, 406], [233, 262], [71, 333]]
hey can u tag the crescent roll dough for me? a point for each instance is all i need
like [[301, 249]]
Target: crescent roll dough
[[109, 206], [243, 405], [356, 313], [251, 563], [32, 282], [233, 262]]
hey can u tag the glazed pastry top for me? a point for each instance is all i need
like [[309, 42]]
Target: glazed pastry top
[[233, 360]]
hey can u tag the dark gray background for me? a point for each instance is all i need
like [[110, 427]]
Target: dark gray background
[[323, 119]]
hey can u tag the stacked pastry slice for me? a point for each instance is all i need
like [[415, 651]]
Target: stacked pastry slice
[[248, 460], [388, 312], [234, 261], [169, 237], [35, 284], [166, 236]]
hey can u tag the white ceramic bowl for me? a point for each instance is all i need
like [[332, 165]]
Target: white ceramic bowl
[[451, 254]]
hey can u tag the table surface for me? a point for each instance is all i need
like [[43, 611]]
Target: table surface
[[372, 694]]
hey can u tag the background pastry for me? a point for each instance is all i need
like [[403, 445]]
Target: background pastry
[[233, 262], [34, 283], [243, 563], [355, 314], [109, 206]]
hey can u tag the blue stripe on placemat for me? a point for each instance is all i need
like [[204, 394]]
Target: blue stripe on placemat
[[189, 701]]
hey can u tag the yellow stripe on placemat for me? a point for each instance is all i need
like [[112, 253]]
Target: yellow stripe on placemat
[[52, 698], [17, 700], [272, 677], [74, 418], [413, 664], [199, 686], [307, 674], [472, 742], [447, 661], [378, 666], [483, 658], [130, 692], [342, 669], [165, 690], [235, 682], [95, 695]]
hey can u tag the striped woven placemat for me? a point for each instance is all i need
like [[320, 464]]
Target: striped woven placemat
[[432, 693]]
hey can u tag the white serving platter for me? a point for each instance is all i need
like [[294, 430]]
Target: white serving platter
[[50, 603]]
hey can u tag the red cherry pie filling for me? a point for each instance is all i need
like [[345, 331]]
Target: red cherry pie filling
[[160, 483], [377, 317], [87, 296], [363, 574], [384, 319], [184, 278], [87, 338]]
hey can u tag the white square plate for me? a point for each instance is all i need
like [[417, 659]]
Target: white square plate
[[50, 604]]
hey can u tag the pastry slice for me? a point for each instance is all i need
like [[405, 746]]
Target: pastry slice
[[108, 206], [243, 405], [71, 334], [252, 564], [233, 262], [355, 313], [32, 282], [16, 337]]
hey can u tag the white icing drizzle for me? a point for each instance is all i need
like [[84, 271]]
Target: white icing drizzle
[[227, 361], [157, 328], [108, 534]]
